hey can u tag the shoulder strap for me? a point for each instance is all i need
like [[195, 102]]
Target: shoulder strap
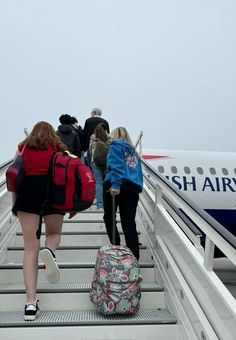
[[23, 149], [50, 174]]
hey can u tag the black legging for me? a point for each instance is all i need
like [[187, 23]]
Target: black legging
[[127, 201]]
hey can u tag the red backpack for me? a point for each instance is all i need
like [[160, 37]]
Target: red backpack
[[73, 184]]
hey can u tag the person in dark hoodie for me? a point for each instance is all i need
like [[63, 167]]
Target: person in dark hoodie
[[124, 180], [78, 129], [68, 136]]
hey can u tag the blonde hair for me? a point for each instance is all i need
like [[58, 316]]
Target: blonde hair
[[121, 133]]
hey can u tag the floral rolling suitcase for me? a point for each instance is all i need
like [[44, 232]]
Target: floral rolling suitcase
[[116, 281]]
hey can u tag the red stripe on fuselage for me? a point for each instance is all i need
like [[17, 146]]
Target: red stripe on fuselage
[[153, 156]]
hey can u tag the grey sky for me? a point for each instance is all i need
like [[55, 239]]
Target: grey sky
[[165, 67]]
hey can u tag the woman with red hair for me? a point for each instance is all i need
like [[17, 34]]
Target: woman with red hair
[[30, 203]]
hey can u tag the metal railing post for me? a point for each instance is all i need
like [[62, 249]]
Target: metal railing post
[[139, 143], [209, 254]]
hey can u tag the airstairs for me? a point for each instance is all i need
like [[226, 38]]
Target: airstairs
[[186, 293]]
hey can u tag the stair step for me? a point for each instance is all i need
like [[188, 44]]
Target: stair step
[[90, 225], [79, 232], [88, 220], [70, 255], [77, 240], [68, 274], [71, 301], [86, 318], [69, 247], [76, 265], [106, 332], [68, 287]]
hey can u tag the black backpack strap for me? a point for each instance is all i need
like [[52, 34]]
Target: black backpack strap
[[38, 232], [50, 173]]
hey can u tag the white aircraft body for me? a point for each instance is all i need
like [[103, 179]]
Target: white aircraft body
[[208, 178]]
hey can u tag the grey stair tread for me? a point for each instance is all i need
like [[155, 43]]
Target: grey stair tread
[[90, 221], [86, 212], [79, 264], [86, 317], [68, 287], [87, 232], [87, 221], [12, 248], [92, 210]]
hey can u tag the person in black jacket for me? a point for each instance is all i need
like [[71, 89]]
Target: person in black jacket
[[68, 136], [78, 128], [89, 128]]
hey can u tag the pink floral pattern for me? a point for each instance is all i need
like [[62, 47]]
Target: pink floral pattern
[[116, 281]]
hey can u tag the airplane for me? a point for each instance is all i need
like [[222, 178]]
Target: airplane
[[207, 177]]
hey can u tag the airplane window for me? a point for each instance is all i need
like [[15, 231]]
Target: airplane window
[[235, 171], [212, 171], [160, 168], [199, 170], [225, 171], [174, 169], [187, 170]]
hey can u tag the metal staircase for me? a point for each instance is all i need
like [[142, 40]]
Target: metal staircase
[[186, 293], [67, 304]]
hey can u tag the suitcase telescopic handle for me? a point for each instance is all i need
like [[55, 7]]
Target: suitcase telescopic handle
[[113, 219]]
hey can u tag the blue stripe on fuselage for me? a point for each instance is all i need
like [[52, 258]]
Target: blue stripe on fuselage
[[226, 217]]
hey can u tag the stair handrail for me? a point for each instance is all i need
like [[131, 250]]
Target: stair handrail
[[139, 143], [224, 233], [177, 255], [26, 132]]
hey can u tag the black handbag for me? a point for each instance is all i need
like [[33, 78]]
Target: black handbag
[[15, 173]]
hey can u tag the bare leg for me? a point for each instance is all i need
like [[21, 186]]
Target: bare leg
[[29, 224], [53, 226]]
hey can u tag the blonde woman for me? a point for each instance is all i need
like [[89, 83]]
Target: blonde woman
[[124, 179], [30, 203]]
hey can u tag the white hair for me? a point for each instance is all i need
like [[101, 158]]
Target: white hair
[[96, 112]]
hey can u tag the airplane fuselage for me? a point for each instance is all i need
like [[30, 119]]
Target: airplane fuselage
[[208, 178]]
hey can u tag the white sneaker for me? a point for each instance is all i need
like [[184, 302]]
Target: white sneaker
[[49, 259]]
